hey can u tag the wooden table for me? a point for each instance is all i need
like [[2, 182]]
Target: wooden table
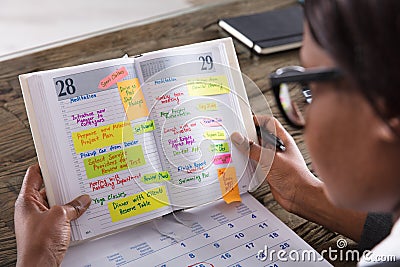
[[16, 145]]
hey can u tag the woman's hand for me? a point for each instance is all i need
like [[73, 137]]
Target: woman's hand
[[43, 234], [292, 184], [288, 175]]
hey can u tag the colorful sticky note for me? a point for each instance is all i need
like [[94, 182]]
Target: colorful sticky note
[[140, 203], [208, 106], [102, 136], [229, 184], [213, 85], [133, 99], [219, 148], [157, 177], [215, 135], [222, 159], [114, 77], [144, 127], [114, 161]]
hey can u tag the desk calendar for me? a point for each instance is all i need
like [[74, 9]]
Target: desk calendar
[[217, 234]]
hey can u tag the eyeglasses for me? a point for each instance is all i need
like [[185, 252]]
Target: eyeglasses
[[292, 93]]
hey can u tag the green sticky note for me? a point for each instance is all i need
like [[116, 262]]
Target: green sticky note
[[113, 162], [156, 177]]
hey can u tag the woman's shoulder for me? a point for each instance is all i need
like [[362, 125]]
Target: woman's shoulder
[[386, 253]]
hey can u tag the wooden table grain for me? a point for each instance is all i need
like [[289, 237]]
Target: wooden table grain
[[16, 145]]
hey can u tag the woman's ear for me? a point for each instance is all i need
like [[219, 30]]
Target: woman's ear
[[394, 123], [389, 130]]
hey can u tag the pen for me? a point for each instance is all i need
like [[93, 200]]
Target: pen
[[270, 138]]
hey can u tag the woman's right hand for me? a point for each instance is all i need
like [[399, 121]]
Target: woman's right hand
[[292, 184], [288, 176]]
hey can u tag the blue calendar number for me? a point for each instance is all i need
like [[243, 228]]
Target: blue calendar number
[[206, 235], [273, 235], [263, 225], [191, 255], [226, 256], [274, 265], [250, 245], [239, 235], [216, 245], [284, 245], [230, 225]]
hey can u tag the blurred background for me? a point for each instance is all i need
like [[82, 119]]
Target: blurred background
[[27, 26]]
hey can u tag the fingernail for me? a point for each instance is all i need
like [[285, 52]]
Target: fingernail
[[237, 138], [85, 200]]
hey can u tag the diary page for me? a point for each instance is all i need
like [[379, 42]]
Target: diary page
[[192, 99], [99, 141]]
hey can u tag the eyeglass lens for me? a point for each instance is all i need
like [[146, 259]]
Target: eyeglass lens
[[295, 98]]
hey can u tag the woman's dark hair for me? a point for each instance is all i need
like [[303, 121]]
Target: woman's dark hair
[[363, 37]]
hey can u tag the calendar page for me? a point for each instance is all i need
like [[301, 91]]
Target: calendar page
[[217, 234]]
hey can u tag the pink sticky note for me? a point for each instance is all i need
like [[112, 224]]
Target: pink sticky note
[[222, 159], [113, 78], [212, 122]]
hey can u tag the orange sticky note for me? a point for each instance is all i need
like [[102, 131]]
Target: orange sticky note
[[229, 184], [133, 99]]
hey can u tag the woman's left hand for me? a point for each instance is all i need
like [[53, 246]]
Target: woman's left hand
[[43, 234]]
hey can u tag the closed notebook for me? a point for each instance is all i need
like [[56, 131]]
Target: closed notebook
[[268, 32]]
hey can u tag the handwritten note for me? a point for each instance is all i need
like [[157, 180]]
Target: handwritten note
[[132, 98], [114, 77], [137, 204], [113, 182], [229, 184], [222, 159], [157, 177], [114, 161], [212, 122], [214, 85], [144, 127], [92, 118], [102, 136], [219, 148], [215, 135]]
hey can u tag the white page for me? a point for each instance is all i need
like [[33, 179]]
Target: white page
[[220, 235], [183, 117], [75, 104]]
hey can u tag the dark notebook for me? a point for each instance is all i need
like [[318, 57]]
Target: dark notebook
[[268, 32]]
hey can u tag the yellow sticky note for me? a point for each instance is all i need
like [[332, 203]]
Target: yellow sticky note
[[207, 106], [156, 177], [213, 85], [144, 127], [114, 161], [102, 136], [228, 184], [132, 98], [143, 202], [215, 135]]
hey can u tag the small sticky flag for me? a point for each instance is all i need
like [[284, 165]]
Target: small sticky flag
[[229, 184], [215, 135], [222, 159]]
